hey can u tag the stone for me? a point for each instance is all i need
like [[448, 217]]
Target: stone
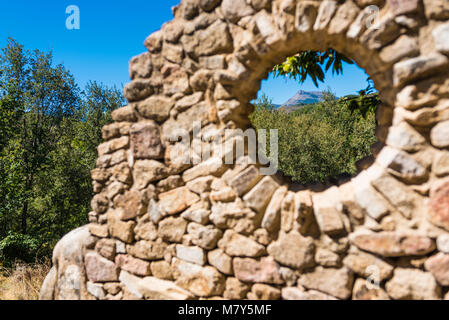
[[436, 9], [211, 41], [235, 289], [265, 270], [191, 254], [335, 282], [260, 195], [235, 244], [245, 180], [208, 5], [405, 137], [343, 18], [227, 194], [96, 290], [172, 229], [147, 250], [47, 291], [293, 293], [326, 207], [399, 7], [443, 243], [326, 12], [438, 212], [145, 229], [403, 165], [172, 182], [140, 66], [177, 82], [106, 247], [173, 53], [293, 250], [236, 9], [130, 204], [177, 200], [155, 108], [419, 67], [397, 194], [200, 185], [327, 258], [98, 230], [138, 89], [264, 292], [146, 141], [438, 265], [372, 203], [364, 265], [99, 269], [441, 164], [212, 166], [99, 203], [126, 113], [220, 260], [413, 284], [272, 217], [205, 237], [404, 46], [152, 288], [201, 281], [162, 270], [122, 173], [146, 171], [363, 291], [197, 214], [119, 229], [439, 135], [133, 265], [393, 244], [233, 215]]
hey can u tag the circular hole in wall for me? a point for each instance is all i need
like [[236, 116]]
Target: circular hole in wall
[[319, 107]]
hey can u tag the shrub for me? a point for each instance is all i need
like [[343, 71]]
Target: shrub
[[19, 247]]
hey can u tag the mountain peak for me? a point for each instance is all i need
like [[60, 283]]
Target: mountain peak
[[303, 97]]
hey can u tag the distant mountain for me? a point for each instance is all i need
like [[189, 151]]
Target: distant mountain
[[302, 98]]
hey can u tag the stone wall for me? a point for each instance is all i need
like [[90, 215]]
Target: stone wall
[[162, 229]]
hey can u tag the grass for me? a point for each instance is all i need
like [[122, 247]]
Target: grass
[[23, 282]]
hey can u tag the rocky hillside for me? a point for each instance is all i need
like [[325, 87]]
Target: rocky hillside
[[302, 98]]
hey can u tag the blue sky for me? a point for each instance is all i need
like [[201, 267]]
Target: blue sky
[[111, 32]]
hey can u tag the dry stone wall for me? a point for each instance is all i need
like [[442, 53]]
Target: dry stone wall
[[164, 229]]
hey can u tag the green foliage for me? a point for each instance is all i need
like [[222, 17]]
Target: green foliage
[[317, 141], [49, 132], [16, 246], [310, 64]]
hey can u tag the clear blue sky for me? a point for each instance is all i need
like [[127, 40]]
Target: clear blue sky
[[111, 32]]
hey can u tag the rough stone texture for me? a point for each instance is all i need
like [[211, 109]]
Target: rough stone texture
[[335, 282], [392, 244], [171, 184], [412, 284]]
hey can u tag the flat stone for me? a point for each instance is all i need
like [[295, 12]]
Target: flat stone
[[191, 254], [272, 217], [99, 269], [177, 200], [106, 247], [162, 270], [335, 282], [438, 265], [392, 244], [399, 7], [152, 288], [443, 243], [436, 9], [327, 258], [212, 166], [438, 212], [138, 89], [374, 205], [363, 264], [441, 164], [200, 185], [265, 270], [235, 244], [343, 18], [405, 46], [293, 293], [227, 194], [439, 135], [133, 265], [201, 281], [131, 204], [96, 290], [220, 260], [146, 141], [147, 250], [413, 284], [326, 12], [140, 66], [197, 214], [293, 250], [363, 291], [233, 215], [260, 195], [236, 9], [126, 113], [405, 137]]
